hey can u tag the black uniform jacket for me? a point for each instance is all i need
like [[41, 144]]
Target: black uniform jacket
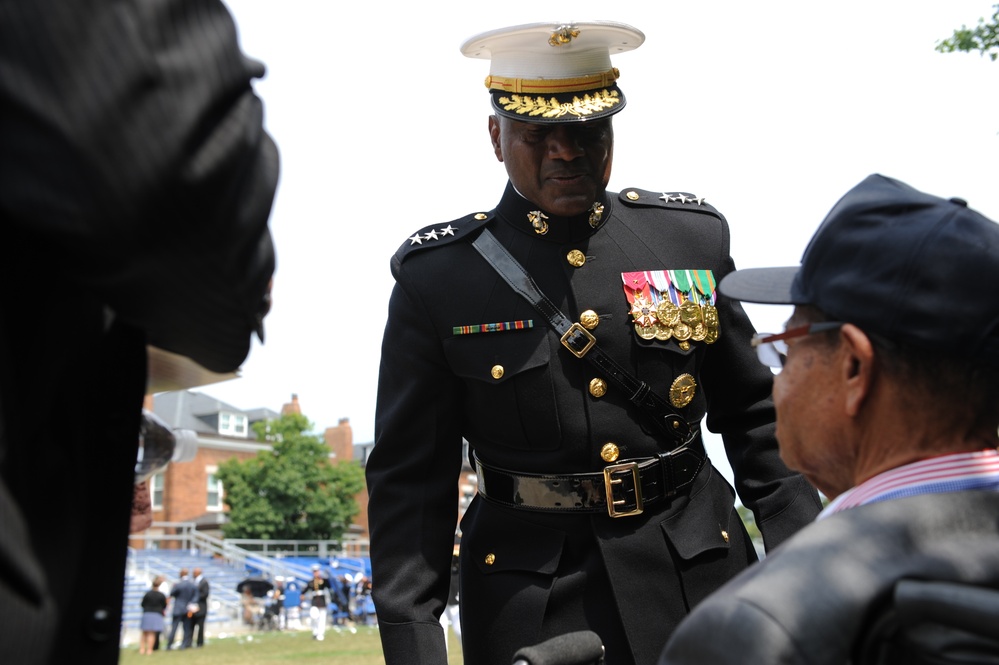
[[522, 402]]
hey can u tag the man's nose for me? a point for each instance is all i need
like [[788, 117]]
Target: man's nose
[[563, 143]]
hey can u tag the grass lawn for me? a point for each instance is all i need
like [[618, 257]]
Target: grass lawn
[[343, 648]]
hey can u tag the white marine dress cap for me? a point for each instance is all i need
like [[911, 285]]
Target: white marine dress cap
[[555, 72]]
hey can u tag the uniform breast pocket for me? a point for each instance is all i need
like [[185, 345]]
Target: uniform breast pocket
[[674, 374], [510, 396]]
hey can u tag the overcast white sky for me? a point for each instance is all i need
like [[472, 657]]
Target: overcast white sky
[[770, 110]]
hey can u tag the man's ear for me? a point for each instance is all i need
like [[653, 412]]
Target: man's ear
[[494, 136], [857, 366]]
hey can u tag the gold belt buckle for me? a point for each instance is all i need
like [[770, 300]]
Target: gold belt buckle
[[590, 339], [609, 483]]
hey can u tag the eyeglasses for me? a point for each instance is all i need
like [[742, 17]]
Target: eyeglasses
[[771, 348]]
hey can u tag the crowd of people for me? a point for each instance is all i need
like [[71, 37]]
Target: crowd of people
[[340, 600]]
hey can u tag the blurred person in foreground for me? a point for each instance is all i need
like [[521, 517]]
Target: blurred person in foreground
[[888, 401], [596, 505], [136, 182]]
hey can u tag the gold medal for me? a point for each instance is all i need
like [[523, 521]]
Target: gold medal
[[699, 332], [711, 316], [645, 332], [663, 333], [681, 393], [682, 332], [643, 313], [668, 313], [690, 312], [711, 322]]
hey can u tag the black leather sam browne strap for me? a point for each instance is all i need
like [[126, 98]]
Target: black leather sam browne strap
[[582, 344]]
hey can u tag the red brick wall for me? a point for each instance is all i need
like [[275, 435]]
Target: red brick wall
[[340, 440], [185, 488]]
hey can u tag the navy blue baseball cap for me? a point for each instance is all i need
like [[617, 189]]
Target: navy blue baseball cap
[[897, 262]]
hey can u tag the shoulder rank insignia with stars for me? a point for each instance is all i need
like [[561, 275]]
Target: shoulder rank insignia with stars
[[441, 234], [676, 200]]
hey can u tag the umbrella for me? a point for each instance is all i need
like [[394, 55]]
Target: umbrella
[[258, 586]]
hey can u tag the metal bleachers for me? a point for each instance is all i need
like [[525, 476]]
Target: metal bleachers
[[144, 565], [225, 564]]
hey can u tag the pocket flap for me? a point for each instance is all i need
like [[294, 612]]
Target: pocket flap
[[476, 356], [502, 549], [699, 526]]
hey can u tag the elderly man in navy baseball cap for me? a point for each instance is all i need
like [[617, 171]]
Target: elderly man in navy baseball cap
[[887, 399]]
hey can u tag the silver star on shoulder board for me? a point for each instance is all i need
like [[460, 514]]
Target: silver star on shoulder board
[[666, 197], [431, 235], [699, 200], [447, 230], [416, 240], [681, 198]]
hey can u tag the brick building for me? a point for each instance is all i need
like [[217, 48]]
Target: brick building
[[188, 491]]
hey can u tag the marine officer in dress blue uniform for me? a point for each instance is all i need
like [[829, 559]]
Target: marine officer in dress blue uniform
[[575, 338]]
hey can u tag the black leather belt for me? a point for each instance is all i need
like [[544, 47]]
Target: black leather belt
[[621, 489]]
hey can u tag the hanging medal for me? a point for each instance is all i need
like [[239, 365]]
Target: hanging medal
[[704, 283], [667, 304], [667, 314], [643, 311]]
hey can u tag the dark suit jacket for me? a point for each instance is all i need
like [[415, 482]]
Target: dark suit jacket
[[203, 591], [808, 602], [537, 416], [135, 186], [184, 592]]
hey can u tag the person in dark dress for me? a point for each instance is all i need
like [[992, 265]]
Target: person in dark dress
[[154, 605]]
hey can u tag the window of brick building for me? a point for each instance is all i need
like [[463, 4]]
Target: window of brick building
[[214, 500], [233, 424], [156, 491]]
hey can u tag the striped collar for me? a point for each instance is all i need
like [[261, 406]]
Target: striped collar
[[947, 473]]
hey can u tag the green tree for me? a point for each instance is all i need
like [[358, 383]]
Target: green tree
[[984, 38], [291, 492]]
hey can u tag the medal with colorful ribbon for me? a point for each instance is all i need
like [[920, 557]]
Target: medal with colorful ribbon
[[643, 310], [677, 304]]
